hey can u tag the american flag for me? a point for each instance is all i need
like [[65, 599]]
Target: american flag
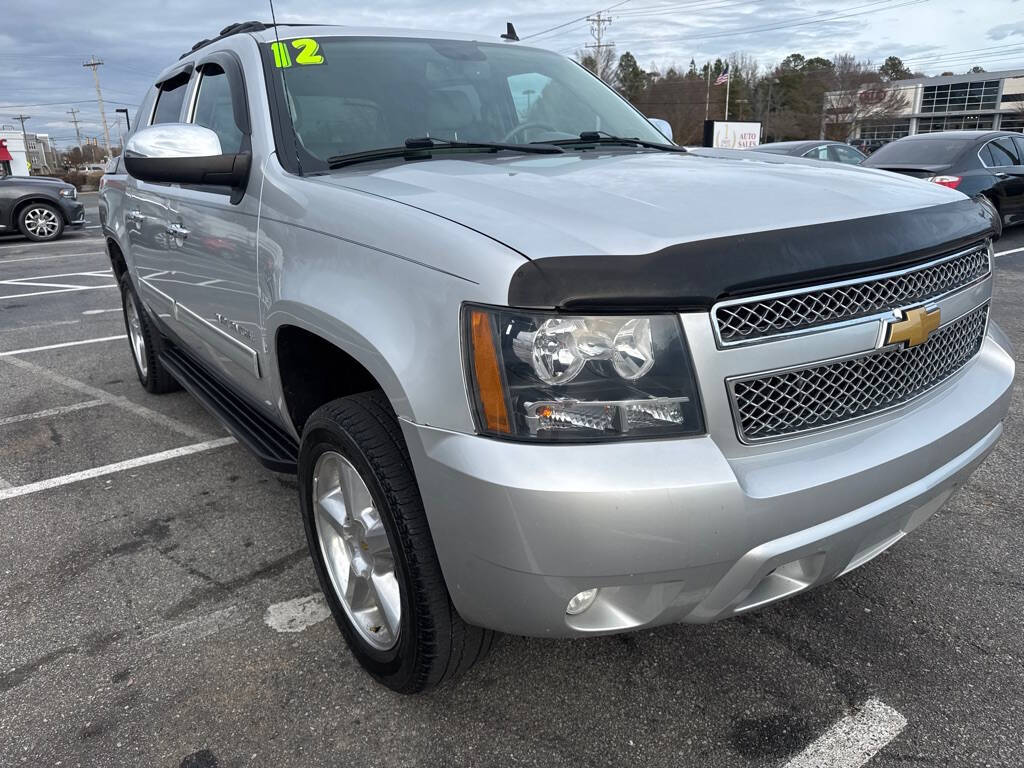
[[724, 77]]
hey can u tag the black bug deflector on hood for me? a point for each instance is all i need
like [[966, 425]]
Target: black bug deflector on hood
[[693, 276]]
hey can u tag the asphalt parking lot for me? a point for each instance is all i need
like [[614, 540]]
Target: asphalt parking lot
[[151, 572]]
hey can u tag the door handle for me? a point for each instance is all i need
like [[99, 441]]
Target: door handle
[[177, 231], [1001, 175]]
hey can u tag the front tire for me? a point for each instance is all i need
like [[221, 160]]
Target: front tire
[[41, 222], [145, 342], [373, 552]]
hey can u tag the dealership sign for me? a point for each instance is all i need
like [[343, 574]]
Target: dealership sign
[[731, 135], [872, 96]]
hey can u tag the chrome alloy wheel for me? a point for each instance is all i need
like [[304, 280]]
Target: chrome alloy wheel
[[356, 551], [138, 341], [41, 222]]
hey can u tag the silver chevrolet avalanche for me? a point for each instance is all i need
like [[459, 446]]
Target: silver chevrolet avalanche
[[538, 369]]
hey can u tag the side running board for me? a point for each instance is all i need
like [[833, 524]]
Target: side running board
[[275, 448]]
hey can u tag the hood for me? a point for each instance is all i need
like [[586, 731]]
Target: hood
[[616, 211], [43, 180]]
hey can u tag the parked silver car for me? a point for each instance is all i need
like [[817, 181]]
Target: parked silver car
[[538, 369]]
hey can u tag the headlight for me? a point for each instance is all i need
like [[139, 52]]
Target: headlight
[[554, 377], [71, 192]]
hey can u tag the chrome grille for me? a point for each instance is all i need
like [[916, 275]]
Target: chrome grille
[[789, 402], [745, 320]]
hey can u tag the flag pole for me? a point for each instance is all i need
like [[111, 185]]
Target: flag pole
[[728, 82], [707, 102]]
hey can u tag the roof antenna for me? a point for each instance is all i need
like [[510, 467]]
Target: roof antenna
[[510, 33], [279, 52]]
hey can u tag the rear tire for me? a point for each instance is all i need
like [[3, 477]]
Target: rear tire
[[41, 222], [145, 342], [358, 439]]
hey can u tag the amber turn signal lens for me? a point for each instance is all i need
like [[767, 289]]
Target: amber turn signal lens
[[487, 373]]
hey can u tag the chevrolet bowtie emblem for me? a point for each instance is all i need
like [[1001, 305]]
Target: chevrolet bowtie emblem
[[915, 327]]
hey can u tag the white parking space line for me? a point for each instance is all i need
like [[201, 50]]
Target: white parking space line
[[59, 411], [31, 278], [27, 350], [54, 256], [110, 469], [1007, 253], [297, 615], [100, 311], [854, 740], [101, 394], [61, 290]]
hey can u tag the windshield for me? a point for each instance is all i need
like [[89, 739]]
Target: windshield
[[926, 151], [356, 94]]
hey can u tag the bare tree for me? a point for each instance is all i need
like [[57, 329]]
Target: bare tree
[[856, 94], [601, 61]]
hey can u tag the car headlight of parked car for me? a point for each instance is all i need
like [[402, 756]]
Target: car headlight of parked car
[[69, 192], [556, 377]]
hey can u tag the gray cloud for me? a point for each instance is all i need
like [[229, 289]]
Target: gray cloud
[[1004, 31]]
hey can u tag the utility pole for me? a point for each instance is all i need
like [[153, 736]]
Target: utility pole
[[78, 133], [94, 64], [24, 136], [598, 22]]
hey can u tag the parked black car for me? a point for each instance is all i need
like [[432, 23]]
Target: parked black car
[[39, 207], [835, 151], [989, 163]]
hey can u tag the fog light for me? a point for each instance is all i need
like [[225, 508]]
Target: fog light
[[581, 602]]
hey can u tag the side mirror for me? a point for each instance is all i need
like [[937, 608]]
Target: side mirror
[[183, 153], [662, 125]]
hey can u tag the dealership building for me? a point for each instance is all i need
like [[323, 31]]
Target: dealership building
[[976, 101]]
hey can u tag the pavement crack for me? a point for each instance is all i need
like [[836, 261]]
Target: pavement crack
[[220, 590]]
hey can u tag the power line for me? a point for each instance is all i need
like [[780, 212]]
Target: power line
[[574, 20], [807, 20], [63, 104]]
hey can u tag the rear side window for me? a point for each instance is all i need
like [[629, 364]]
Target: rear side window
[[1004, 152], [987, 158], [169, 100], [847, 155], [1020, 149], [818, 153], [214, 108]]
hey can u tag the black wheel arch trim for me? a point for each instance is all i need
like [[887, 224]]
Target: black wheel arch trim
[[693, 276]]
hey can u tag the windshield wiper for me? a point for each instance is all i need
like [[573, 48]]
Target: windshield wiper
[[603, 137], [415, 148]]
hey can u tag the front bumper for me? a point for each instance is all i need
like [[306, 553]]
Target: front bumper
[[676, 530], [74, 212]]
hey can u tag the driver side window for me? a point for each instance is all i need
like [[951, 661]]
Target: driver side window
[[214, 108]]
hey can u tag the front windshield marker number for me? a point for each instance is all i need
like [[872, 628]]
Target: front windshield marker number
[[307, 52]]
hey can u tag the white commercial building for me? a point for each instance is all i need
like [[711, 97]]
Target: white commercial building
[[14, 144], [976, 101]]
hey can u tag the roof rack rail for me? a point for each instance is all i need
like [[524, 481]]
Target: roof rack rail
[[239, 28], [230, 29]]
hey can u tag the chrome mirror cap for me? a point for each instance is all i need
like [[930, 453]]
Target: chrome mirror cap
[[662, 125], [173, 140]]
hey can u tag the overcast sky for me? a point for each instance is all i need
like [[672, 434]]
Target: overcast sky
[[44, 42]]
